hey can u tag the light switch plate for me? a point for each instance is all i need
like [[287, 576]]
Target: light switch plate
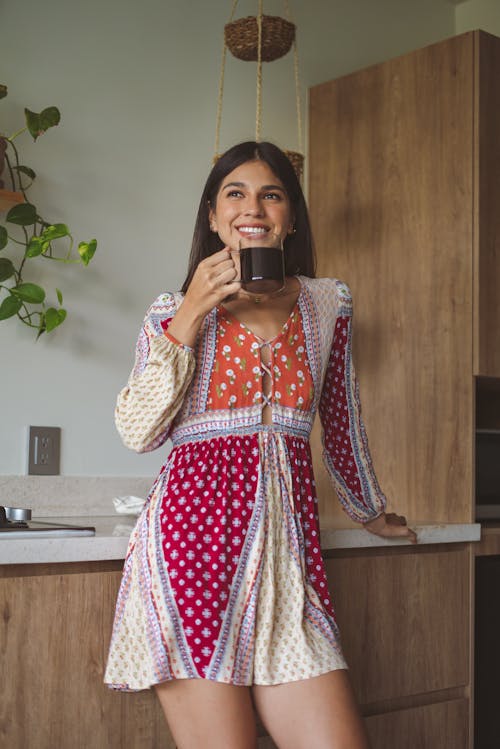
[[44, 451]]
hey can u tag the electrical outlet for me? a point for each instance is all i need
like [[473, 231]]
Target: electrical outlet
[[44, 451]]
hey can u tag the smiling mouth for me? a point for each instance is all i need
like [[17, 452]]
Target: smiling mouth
[[253, 231]]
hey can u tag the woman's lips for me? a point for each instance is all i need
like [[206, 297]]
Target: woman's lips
[[252, 231]]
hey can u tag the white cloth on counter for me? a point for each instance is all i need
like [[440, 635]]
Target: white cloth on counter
[[128, 505]]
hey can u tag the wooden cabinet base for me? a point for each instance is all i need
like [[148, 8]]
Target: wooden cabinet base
[[403, 615], [409, 668], [54, 635], [442, 724]]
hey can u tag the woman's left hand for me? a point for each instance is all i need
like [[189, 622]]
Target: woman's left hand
[[390, 525]]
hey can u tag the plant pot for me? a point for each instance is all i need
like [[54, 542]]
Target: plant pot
[[8, 199], [297, 160]]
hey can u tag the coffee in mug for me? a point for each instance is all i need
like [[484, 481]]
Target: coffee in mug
[[262, 268]]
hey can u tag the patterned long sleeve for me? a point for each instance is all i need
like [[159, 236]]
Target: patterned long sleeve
[[162, 373], [345, 446]]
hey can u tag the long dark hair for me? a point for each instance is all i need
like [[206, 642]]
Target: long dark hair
[[298, 247]]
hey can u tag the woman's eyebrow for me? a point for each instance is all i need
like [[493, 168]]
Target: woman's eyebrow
[[273, 187], [263, 187], [234, 184]]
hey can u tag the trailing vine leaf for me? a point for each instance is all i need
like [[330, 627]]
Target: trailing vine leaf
[[49, 117], [36, 235], [41, 325], [25, 170], [23, 214], [32, 122], [29, 292], [20, 169], [35, 247], [6, 269], [4, 237], [10, 307], [39, 123], [53, 318], [86, 250], [55, 231]]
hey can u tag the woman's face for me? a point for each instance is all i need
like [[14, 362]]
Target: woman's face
[[251, 202]]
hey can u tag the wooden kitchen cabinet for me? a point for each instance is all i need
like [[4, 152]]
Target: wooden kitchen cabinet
[[394, 607], [404, 192], [443, 724], [404, 616], [54, 634], [404, 159]]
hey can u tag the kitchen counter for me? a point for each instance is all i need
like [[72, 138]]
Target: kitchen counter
[[112, 534]]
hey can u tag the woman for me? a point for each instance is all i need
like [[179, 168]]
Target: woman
[[224, 601]]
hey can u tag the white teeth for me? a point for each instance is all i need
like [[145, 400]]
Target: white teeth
[[252, 229]]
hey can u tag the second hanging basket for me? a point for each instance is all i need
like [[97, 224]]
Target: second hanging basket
[[261, 39]]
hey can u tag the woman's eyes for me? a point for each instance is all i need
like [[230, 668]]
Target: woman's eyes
[[266, 195]]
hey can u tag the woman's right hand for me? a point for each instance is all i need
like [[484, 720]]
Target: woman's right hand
[[214, 279]]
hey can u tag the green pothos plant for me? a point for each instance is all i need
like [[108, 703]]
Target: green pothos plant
[[27, 235]]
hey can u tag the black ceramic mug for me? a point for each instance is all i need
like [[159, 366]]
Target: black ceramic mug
[[262, 264]]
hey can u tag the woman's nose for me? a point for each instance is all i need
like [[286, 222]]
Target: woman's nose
[[254, 206]]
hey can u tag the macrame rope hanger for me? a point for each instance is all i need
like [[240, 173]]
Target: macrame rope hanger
[[295, 157], [258, 106]]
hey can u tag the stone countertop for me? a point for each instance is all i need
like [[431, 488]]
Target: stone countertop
[[112, 534]]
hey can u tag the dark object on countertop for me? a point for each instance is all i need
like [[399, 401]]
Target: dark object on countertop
[[15, 520], [14, 517]]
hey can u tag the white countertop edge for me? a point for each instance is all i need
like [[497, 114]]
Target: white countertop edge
[[445, 533], [55, 550], [112, 534]]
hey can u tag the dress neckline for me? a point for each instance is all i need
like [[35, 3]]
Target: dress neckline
[[284, 327]]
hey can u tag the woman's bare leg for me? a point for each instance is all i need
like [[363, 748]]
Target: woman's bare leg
[[203, 713], [316, 713]]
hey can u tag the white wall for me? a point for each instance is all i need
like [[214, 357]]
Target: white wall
[[136, 83], [478, 14]]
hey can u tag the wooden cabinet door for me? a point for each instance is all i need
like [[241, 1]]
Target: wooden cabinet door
[[54, 636], [404, 619], [426, 727], [444, 724], [404, 622], [391, 199]]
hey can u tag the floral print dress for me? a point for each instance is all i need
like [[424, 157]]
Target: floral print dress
[[224, 578]]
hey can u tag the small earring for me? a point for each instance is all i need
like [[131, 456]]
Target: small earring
[[293, 230]]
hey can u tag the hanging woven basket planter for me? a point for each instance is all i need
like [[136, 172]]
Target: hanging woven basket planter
[[261, 39], [242, 38]]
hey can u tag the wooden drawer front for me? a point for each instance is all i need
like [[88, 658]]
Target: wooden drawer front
[[404, 621], [54, 636], [444, 724]]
